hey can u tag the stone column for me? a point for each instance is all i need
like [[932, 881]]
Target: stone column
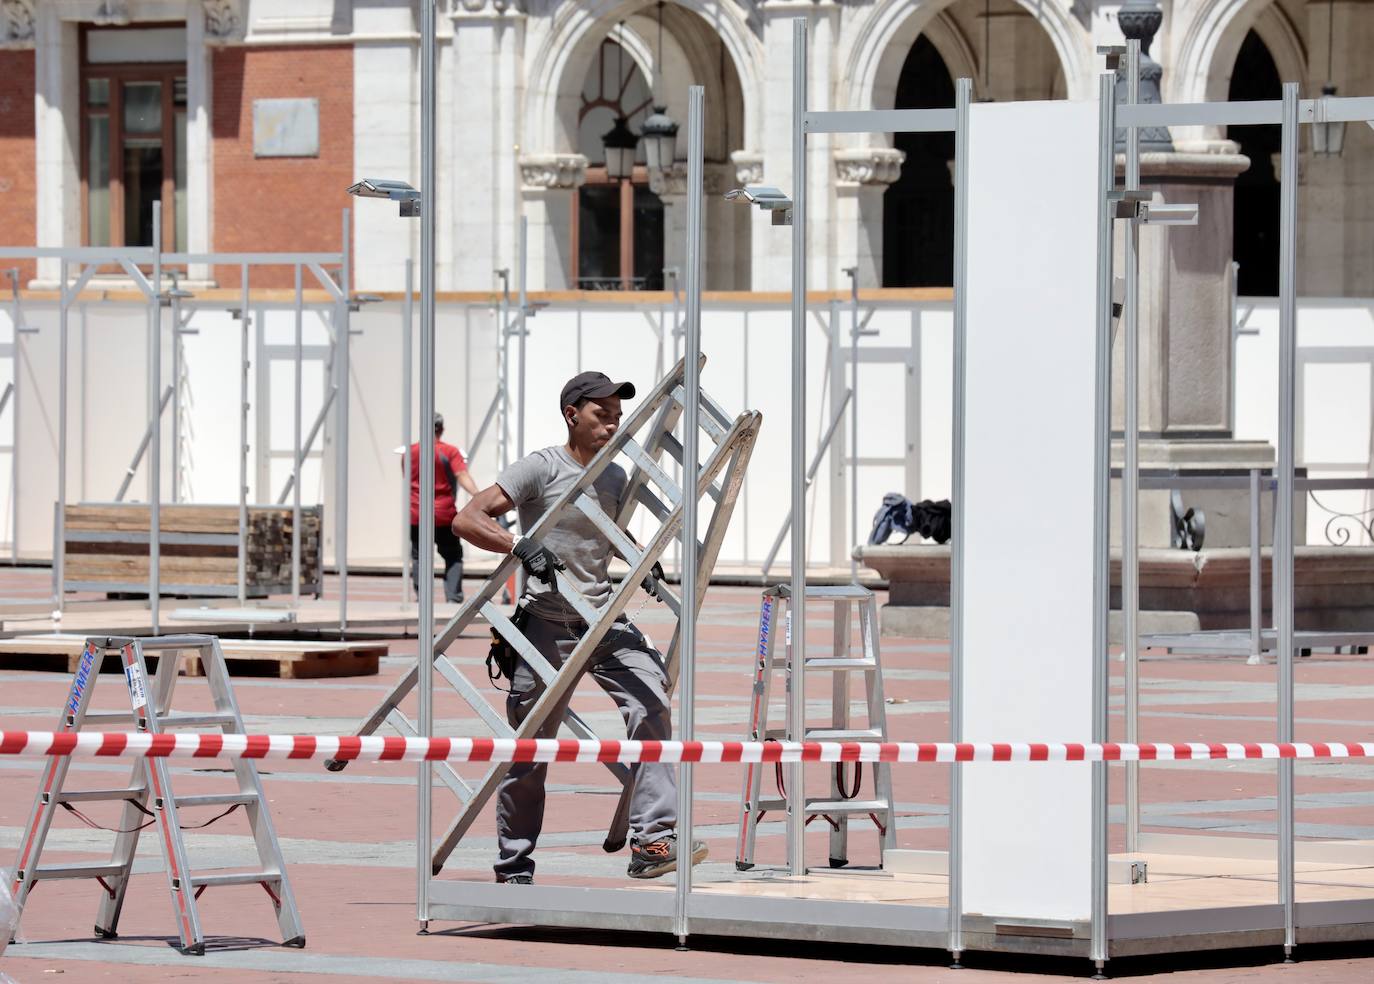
[[1186, 371], [486, 42], [546, 187], [670, 185], [57, 125], [218, 22], [771, 246], [1336, 194], [862, 176]]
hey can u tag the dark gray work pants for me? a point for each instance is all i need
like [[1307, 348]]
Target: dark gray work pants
[[634, 675]]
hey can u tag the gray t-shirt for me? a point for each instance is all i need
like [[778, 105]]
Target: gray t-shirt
[[534, 483]]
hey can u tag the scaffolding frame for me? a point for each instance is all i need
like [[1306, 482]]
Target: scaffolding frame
[[130, 260]]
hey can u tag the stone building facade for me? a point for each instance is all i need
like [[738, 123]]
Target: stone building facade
[[251, 116]]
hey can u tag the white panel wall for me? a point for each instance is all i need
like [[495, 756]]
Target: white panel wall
[[1027, 617], [747, 346]]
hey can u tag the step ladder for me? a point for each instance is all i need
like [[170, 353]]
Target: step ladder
[[150, 699], [844, 800], [643, 438]]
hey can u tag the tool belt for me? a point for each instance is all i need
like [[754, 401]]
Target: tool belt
[[501, 656]]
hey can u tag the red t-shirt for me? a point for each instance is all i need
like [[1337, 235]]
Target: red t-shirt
[[445, 504]]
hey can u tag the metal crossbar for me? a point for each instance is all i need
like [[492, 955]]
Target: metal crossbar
[[149, 791], [642, 439]]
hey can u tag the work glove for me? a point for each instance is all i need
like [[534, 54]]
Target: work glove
[[651, 583], [539, 561]]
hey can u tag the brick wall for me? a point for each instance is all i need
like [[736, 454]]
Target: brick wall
[[280, 203], [18, 167]]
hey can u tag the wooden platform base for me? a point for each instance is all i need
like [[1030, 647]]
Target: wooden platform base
[[290, 660]]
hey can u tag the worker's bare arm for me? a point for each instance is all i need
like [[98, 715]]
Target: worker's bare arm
[[476, 524], [466, 483]]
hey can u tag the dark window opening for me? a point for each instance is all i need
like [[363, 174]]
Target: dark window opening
[[918, 208], [1255, 237]]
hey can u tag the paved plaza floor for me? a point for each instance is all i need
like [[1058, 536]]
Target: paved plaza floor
[[349, 837]]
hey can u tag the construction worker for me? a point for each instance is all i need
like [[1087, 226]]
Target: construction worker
[[450, 474], [624, 664]]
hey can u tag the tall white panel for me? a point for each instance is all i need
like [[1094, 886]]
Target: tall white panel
[[1027, 615]]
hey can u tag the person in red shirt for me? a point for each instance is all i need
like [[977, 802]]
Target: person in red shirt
[[450, 474]]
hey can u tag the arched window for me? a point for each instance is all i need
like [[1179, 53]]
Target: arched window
[[918, 208], [617, 227], [1255, 234]]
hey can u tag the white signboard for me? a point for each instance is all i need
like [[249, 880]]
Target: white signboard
[[286, 128], [1028, 564]]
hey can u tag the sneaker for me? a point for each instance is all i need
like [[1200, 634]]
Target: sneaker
[[659, 857], [523, 878]]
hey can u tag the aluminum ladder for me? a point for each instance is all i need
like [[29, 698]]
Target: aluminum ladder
[[150, 699], [641, 441], [841, 803]]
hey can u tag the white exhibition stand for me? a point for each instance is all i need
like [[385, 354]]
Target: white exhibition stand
[[1028, 611]]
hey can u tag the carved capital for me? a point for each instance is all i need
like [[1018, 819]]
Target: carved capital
[[16, 23], [113, 13], [868, 165], [486, 8], [669, 181], [223, 21], [547, 171], [748, 167]]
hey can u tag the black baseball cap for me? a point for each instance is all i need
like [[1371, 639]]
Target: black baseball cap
[[592, 386]]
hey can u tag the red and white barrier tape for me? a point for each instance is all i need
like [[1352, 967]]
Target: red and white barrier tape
[[376, 748]]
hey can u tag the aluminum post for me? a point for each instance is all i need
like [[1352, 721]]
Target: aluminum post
[[1283, 492], [244, 319], [407, 373], [853, 422], [691, 453], [296, 450], [795, 630], [1102, 404], [503, 372], [341, 408], [1130, 465], [59, 561], [520, 338], [155, 448], [963, 96], [176, 396], [1256, 573], [425, 630]]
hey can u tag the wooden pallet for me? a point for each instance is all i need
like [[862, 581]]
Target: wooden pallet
[[106, 546], [288, 659]]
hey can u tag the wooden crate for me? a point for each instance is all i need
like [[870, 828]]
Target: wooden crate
[[106, 547], [287, 659]]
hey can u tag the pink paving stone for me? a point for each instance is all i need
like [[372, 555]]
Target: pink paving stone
[[368, 911]]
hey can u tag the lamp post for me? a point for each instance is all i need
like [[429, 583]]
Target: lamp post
[[659, 132], [1328, 136]]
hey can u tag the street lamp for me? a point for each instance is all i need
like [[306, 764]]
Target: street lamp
[[620, 141], [767, 198], [1328, 137], [659, 132], [396, 191]]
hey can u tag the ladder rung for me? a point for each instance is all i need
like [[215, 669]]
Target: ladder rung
[[847, 806], [674, 447], [650, 467], [713, 420], [590, 508], [831, 663], [78, 870], [99, 795], [470, 693], [96, 717], [197, 721], [652, 503], [234, 878], [216, 799], [834, 592], [844, 734]]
